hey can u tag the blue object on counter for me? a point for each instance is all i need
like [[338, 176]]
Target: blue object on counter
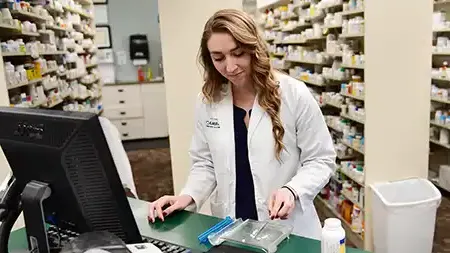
[[203, 238]]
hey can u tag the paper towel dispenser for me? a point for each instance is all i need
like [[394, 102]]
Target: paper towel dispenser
[[139, 53]]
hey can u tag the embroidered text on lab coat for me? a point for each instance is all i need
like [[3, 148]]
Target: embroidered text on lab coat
[[212, 123]]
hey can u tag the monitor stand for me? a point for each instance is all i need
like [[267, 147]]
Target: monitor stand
[[33, 195]]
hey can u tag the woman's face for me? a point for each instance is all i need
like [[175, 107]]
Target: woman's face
[[229, 59]]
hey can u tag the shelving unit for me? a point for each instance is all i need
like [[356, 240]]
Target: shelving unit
[[49, 56], [440, 103], [321, 42]]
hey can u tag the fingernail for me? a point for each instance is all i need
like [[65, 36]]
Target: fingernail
[[164, 214]]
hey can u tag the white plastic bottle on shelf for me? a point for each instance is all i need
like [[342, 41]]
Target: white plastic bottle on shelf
[[357, 220], [333, 237]]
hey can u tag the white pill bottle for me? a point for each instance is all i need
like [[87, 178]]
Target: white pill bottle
[[333, 237]]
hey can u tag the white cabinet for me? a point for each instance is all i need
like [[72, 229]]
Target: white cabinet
[[155, 112], [137, 110]]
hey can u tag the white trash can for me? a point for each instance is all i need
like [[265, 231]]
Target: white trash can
[[404, 215]]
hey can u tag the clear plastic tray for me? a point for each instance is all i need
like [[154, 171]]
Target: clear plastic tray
[[264, 235]]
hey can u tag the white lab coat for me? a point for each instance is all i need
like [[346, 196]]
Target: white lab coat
[[118, 154], [306, 164]]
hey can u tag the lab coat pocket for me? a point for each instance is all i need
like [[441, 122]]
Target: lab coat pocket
[[219, 152], [263, 210], [218, 206]]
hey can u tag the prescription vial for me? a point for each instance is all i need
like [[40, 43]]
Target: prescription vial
[[333, 237]]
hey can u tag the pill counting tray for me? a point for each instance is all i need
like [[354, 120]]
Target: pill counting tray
[[264, 235]]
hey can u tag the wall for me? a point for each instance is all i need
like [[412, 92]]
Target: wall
[[397, 76], [125, 19], [181, 27]]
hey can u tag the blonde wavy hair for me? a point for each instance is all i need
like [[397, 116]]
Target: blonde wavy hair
[[244, 30]]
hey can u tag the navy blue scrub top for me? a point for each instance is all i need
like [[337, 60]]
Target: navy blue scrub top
[[245, 190]]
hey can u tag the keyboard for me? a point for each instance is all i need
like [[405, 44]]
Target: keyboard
[[166, 247], [58, 238]]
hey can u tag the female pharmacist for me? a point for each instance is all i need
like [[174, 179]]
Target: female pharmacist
[[261, 146]]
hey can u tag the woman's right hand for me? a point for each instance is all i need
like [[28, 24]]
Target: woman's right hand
[[173, 202]]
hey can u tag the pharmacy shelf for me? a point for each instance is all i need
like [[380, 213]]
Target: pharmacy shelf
[[8, 27], [308, 62], [347, 116], [335, 79], [82, 14], [13, 54], [8, 31], [48, 71], [289, 18], [331, 27], [288, 42], [14, 30], [361, 183], [336, 179], [350, 198], [297, 27], [353, 237], [278, 54], [355, 149], [310, 39], [336, 105], [441, 54], [302, 5], [442, 30], [58, 29], [334, 128], [91, 65], [329, 84], [360, 98], [444, 191], [24, 15], [54, 53], [333, 6], [25, 84], [311, 82], [91, 82], [441, 79], [440, 100], [440, 3], [352, 35], [344, 157], [440, 125], [31, 34], [447, 146], [273, 4], [53, 103], [352, 12], [352, 66], [76, 77]]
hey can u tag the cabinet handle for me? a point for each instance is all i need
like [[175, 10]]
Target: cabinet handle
[[121, 102], [123, 113], [124, 123], [120, 90], [125, 135]]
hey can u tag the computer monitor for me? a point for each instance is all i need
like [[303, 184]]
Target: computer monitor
[[67, 151]]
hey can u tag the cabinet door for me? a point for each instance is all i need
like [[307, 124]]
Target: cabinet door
[[155, 112]]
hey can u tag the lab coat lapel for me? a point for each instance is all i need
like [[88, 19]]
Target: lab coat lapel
[[255, 119], [225, 116]]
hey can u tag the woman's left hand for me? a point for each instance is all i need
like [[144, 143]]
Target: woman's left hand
[[281, 204]]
